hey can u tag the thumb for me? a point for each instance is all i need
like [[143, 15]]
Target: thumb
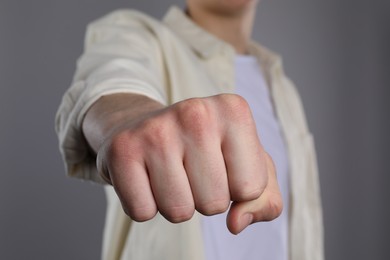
[[265, 208]]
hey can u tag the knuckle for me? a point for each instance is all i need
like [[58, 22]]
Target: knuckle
[[123, 149], [275, 208], [237, 107], [246, 191], [214, 207], [119, 147], [155, 132], [193, 106], [178, 214], [140, 214], [194, 116]]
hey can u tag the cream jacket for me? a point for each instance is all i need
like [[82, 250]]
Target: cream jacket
[[129, 52]]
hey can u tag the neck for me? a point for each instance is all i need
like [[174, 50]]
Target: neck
[[233, 28]]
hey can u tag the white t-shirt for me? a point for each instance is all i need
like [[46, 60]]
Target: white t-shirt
[[260, 241]]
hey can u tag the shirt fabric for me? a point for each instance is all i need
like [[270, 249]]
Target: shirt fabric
[[129, 52], [266, 240]]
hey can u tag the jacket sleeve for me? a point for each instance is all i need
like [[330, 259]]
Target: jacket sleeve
[[121, 55]]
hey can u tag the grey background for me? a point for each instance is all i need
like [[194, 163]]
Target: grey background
[[337, 52]]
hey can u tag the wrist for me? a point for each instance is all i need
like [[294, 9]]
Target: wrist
[[112, 113]]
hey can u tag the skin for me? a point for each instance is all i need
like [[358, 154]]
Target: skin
[[230, 20], [199, 154]]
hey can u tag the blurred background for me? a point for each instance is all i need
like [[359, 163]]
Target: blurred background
[[337, 53]]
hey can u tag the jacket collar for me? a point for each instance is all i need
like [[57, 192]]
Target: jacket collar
[[204, 43]]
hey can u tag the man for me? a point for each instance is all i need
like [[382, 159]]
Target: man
[[155, 106]]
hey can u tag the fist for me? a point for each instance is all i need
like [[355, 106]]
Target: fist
[[198, 154]]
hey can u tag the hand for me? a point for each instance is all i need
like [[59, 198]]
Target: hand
[[198, 154]]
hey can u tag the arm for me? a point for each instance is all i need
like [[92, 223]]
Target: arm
[[198, 154]]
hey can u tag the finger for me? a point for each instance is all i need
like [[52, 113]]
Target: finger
[[206, 171], [267, 207], [245, 163], [170, 186], [131, 182]]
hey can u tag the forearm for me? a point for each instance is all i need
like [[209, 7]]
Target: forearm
[[111, 111]]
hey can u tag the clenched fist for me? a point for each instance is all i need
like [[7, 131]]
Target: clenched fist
[[198, 154]]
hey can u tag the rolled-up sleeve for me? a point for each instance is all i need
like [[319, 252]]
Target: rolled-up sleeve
[[121, 55]]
